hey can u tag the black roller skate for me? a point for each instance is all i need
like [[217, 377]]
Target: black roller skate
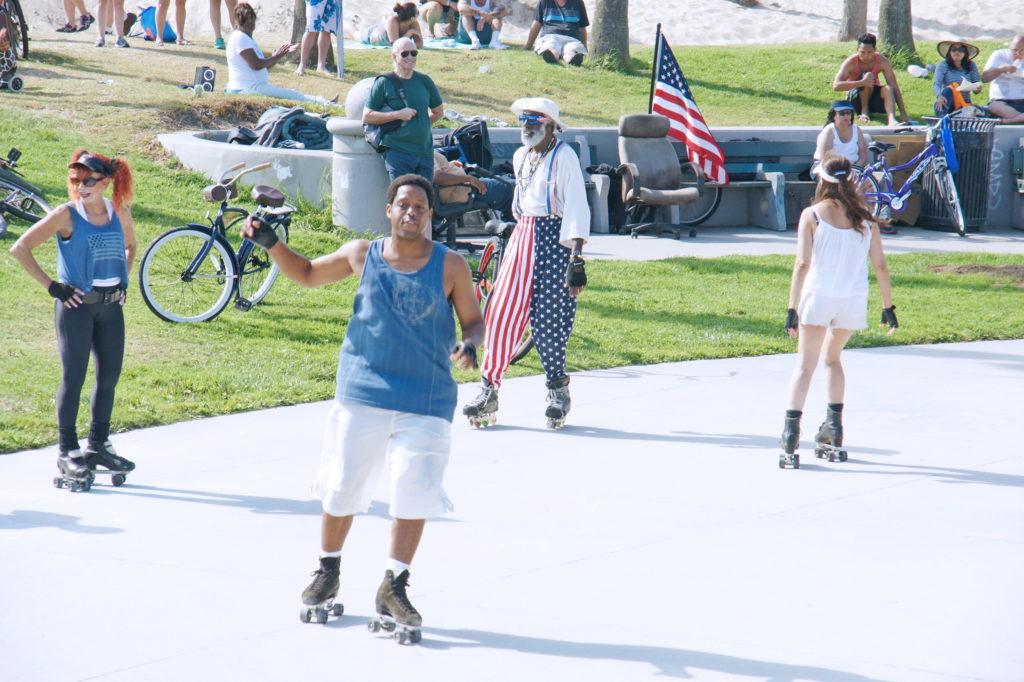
[[483, 409], [318, 598], [559, 402], [396, 615], [75, 473], [103, 454], [830, 435], [790, 440]]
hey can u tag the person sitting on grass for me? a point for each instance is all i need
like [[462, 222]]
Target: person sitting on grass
[[958, 68], [562, 27], [248, 69], [858, 77], [481, 21], [402, 23], [444, 12]]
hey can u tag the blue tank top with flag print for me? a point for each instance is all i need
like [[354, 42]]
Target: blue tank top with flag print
[[93, 253], [396, 352]]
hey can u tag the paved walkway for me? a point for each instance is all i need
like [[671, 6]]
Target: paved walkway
[[654, 537]]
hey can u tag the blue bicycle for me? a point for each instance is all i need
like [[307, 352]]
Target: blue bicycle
[[938, 157]]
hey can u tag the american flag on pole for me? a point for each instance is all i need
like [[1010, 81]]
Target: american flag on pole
[[672, 98]]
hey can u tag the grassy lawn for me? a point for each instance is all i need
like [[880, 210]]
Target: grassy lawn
[[285, 350]]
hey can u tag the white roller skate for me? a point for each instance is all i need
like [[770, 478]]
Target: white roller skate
[[559, 402]]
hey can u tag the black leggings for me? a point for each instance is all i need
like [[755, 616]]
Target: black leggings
[[99, 328]]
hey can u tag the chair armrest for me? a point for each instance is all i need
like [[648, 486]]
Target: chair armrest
[[698, 173], [630, 175]]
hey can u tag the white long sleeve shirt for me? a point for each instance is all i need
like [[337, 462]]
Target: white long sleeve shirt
[[556, 189]]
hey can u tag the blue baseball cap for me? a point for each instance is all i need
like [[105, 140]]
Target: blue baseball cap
[[842, 105]]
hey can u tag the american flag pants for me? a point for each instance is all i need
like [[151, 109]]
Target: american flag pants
[[530, 289]]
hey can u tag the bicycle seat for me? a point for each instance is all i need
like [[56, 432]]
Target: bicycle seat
[[219, 193], [267, 196], [499, 228], [880, 147]]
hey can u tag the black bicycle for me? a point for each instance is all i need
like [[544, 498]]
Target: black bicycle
[[191, 272], [16, 26], [19, 197]]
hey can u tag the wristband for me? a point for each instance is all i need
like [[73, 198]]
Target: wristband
[[792, 319], [889, 317], [469, 349], [263, 235], [576, 273], [60, 290]]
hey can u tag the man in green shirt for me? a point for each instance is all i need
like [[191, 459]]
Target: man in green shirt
[[410, 148]]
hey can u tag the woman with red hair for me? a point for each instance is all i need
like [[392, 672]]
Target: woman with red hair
[[95, 251]]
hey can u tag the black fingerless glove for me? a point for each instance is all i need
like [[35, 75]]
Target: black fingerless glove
[[61, 290], [263, 234], [576, 273], [792, 319], [889, 317], [469, 349]]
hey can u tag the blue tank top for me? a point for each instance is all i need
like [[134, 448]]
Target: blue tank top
[[396, 352], [93, 252]]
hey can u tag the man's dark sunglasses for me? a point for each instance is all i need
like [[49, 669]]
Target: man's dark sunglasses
[[409, 53]]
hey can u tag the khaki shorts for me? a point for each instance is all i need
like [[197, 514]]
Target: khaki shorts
[[359, 440]]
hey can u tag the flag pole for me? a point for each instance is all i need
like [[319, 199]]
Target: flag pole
[[654, 68]]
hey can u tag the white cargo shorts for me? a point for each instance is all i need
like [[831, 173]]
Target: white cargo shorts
[[359, 440]]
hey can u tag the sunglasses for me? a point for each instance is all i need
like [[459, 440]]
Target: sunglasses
[[958, 48], [88, 182], [531, 119], [844, 112], [409, 53]]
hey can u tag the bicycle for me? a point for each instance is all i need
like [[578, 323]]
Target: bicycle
[[486, 274], [18, 196], [937, 157], [189, 273]]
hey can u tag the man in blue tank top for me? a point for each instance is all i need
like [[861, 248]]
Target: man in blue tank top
[[395, 396]]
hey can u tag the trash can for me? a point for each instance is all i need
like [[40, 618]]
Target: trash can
[[972, 139]]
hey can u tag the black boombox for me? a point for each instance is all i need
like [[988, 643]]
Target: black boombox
[[205, 76]]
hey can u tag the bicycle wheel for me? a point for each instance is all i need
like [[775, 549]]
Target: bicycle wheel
[[19, 28], [257, 270], [703, 208], [21, 202], [869, 189], [947, 188], [172, 292]]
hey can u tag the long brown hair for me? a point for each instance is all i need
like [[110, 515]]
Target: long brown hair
[[843, 191], [117, 170]]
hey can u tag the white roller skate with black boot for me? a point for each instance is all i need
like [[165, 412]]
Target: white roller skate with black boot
[[559, 402], [790, 441], [830, 435], [483, 409], [75, 472], [103, 454], [318, 598], [395, 613]]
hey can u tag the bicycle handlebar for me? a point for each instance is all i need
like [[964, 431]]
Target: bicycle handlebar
[[228, 182]]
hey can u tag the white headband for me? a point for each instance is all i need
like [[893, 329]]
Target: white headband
[[823, 174]]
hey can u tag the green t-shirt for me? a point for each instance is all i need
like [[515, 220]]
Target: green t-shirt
[[422, 95]]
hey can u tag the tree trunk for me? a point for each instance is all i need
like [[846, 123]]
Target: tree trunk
[[854, 23], [609, 38], [298, 30], [895, 26]]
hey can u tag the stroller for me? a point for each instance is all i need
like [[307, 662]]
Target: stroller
[[13, 39]]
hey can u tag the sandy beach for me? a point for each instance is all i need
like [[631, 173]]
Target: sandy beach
[[707, 22]]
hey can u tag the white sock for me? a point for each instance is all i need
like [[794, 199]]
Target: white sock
[[495, 37], [474, 38], [330, 555], [396, 566]]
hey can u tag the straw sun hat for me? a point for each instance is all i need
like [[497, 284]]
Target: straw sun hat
[[944, 46]]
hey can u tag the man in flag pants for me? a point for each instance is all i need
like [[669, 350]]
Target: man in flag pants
[[542, 270]]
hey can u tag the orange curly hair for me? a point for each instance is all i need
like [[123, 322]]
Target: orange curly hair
[[118, 170]]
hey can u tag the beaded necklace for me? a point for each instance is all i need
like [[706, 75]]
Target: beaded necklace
[[535, 163]]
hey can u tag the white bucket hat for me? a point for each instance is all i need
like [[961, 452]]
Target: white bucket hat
[[542, 105]]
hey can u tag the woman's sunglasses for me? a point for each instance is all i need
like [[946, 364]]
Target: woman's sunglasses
[[409, 53], [958, 48], [88, 182]]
